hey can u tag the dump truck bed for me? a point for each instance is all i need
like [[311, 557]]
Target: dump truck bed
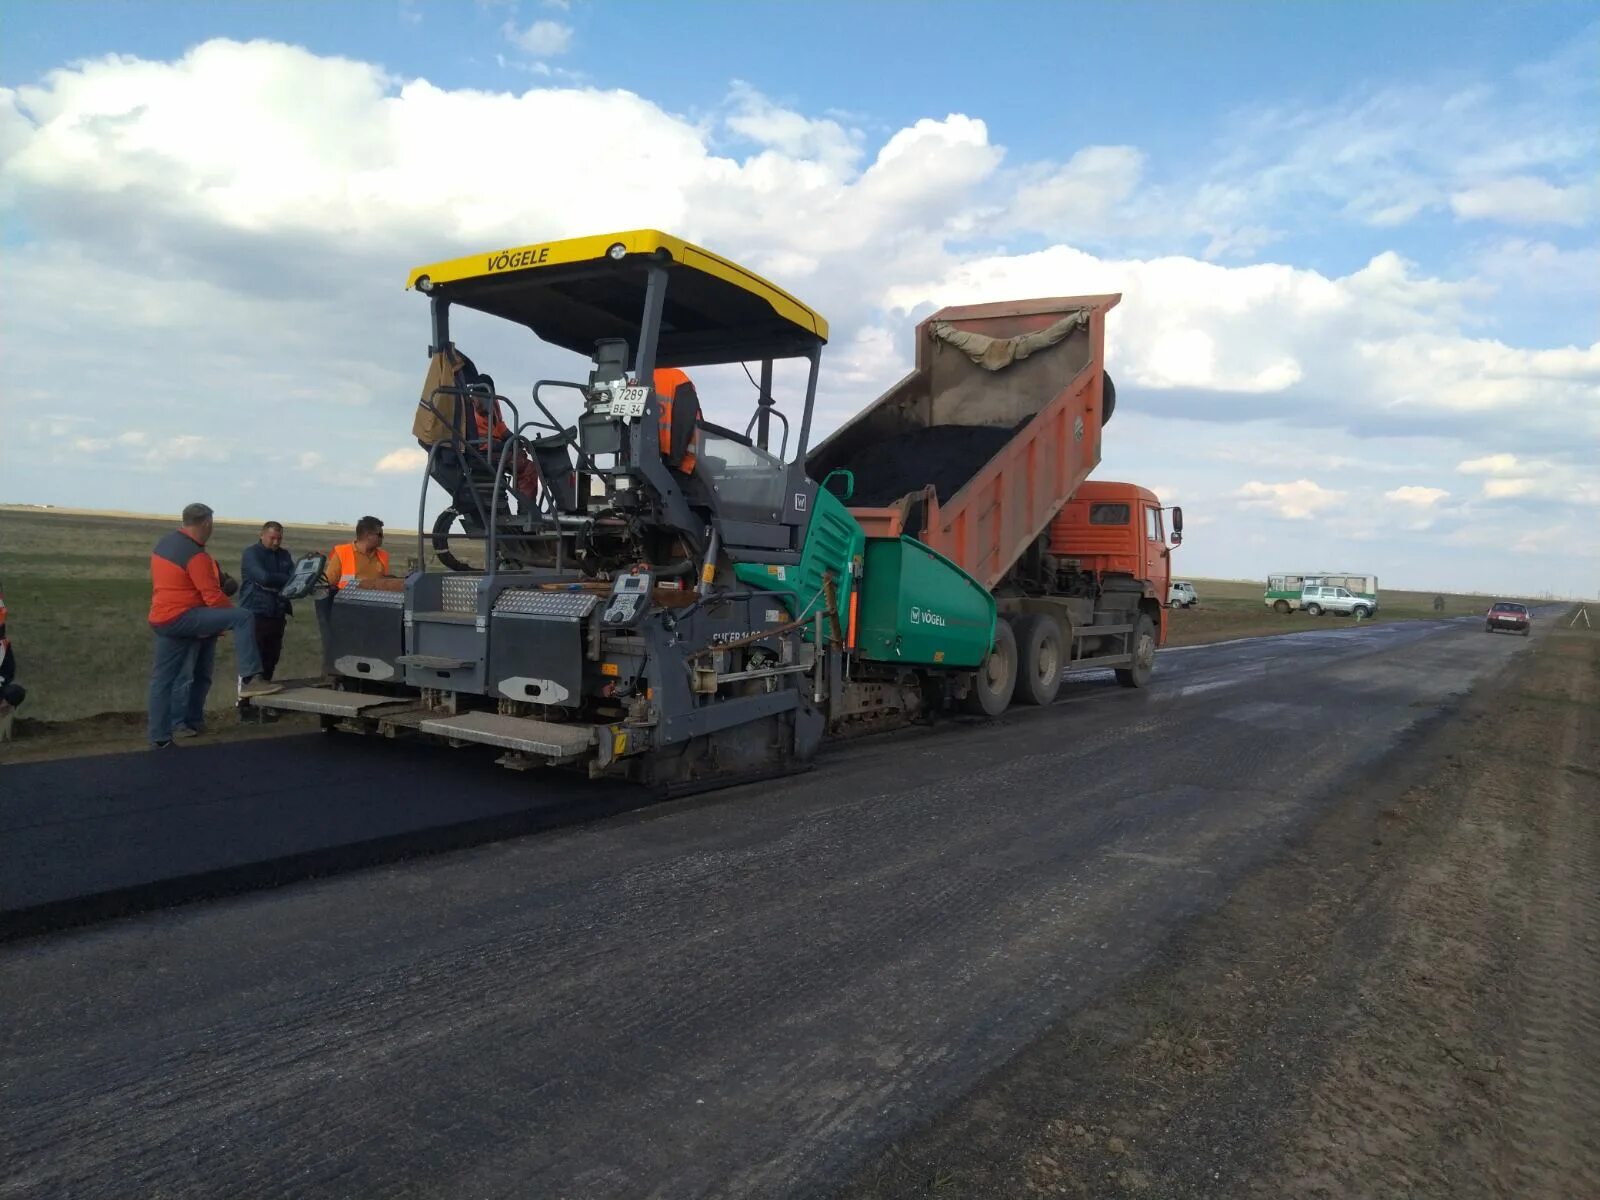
[[978, 448]]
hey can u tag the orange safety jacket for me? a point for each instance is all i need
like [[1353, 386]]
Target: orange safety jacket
[[679, 425], [481, 423], [183, 577], [346, 556]]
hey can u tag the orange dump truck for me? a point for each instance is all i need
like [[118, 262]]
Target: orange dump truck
[[982, 453]]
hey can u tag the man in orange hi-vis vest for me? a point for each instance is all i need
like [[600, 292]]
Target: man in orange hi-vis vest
[[527, 479], [680, 416], [362, 561]]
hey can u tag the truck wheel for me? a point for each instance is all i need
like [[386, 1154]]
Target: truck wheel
[[1314, 609], [1362, 612], [1144, 654], [996, 677], [1038, 659], [1281, 607]]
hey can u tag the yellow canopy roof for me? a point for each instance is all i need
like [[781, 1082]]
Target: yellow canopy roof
[[578, 290]]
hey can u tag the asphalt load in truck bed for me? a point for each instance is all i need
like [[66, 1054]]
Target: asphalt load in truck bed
[[946, 456]]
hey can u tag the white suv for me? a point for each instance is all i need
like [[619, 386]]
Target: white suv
[[1318, 600], [1182, 595]]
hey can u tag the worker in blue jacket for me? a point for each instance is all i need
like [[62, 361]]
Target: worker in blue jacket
[[265, 568]]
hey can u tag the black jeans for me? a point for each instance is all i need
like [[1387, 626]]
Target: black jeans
[[269, 640]]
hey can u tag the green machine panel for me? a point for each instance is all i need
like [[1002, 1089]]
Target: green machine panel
[[833, 543], [919, 608]]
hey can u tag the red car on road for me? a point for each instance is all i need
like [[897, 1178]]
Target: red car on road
[[1504, 614]]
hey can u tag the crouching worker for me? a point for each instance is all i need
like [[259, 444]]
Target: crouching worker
[[12, 693], [188, 611]]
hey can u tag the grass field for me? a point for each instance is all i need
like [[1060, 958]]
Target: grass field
[[78, 587]]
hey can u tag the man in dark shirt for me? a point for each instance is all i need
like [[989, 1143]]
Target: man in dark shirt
[[265, 568]]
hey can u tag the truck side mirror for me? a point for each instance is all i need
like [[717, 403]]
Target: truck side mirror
[[1177, 526], [841, 483]]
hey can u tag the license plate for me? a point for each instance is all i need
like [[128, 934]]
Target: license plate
[[629, 401]]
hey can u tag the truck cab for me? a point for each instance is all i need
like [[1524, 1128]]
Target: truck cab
[[1115, 534]]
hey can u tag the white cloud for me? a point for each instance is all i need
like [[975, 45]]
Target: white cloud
[[406, 461], [1422, 497], [1511, 477], [1501, 489], [1083, 195], [1524, 199], [1491, 464], [758, 119], [1296, 501], [542, 39]]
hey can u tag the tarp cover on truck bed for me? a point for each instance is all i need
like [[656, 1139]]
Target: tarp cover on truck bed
[[994, 354]]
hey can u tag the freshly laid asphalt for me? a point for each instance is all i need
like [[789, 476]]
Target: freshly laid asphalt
[[740, 994], [92, 838]]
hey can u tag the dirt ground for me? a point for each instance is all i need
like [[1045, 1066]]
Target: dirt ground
[[1405, 1004]]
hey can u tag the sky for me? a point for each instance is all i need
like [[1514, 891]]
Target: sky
[[1358, 246]]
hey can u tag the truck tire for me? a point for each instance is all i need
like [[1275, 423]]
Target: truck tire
[[1038, 659], [1108, 397], [1281, 607], [1143, 642], [1314, 609], [996, 677]]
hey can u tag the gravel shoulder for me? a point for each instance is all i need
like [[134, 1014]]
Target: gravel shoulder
[[1406, 1003]]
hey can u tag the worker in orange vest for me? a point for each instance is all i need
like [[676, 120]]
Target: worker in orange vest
[[362, 561], [680, 418], [527, 478]]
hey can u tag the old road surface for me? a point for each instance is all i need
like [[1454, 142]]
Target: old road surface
[[739, 994]]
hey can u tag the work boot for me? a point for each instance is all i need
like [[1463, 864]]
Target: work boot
[[255, 686], [185, 732]]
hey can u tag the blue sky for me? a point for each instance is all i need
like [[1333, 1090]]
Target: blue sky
[[1358, 242]]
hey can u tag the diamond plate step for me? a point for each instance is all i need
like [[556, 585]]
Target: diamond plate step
[[533, 736], [330, 702]]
